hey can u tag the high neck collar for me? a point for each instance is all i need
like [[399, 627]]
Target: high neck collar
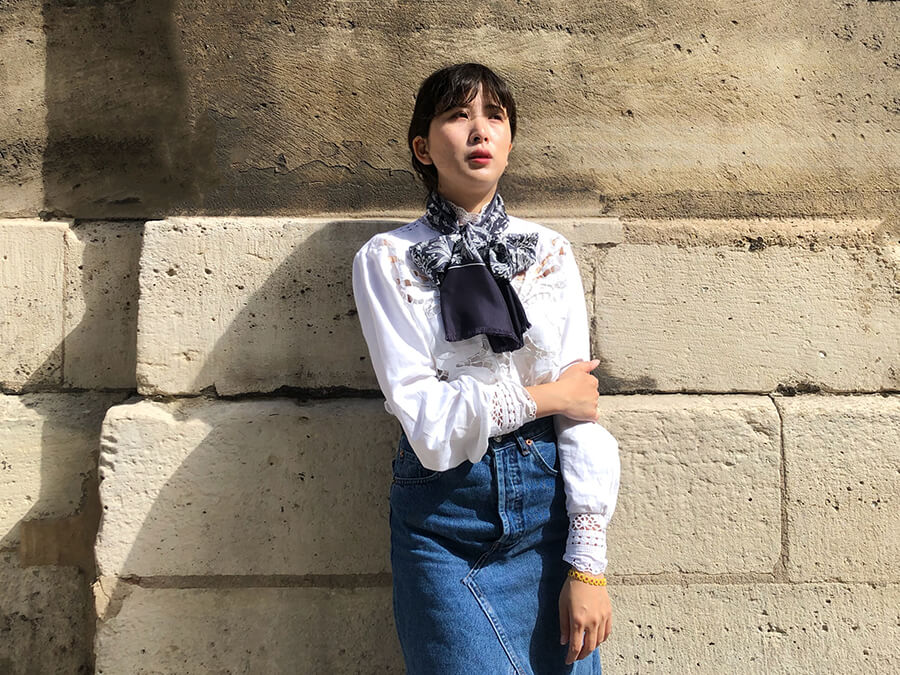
[[448, 218], [465, 217]]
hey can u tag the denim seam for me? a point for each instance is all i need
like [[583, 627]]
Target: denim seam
[[469, 582]]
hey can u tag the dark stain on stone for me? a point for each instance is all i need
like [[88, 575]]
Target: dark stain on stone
[[798, 388], [756, 243]]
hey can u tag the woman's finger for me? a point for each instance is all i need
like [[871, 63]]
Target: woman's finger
[[576, 642], [590, 643], [563, 625]]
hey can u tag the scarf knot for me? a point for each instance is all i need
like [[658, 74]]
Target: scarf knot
[[472, 264]]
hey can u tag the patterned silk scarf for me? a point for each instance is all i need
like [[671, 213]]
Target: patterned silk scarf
[[473, 265]]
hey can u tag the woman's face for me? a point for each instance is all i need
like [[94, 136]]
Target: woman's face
[[469, 146]]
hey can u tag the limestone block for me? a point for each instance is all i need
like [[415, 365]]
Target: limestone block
[[31, 303], [842, 465], [48, 450], [699, 629], [197, 487], [44, 620], [101, 298], [765, 629], [250, 304], [250, 630], [665, 107], [729, 319], [700, 484]]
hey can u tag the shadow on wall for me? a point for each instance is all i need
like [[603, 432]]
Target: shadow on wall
[[269, 494], [120, 138], [69, 421]]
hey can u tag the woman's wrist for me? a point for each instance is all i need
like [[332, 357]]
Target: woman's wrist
[[547, 399], [587, 577]]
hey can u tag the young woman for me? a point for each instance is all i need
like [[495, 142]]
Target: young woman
[[503, 481]]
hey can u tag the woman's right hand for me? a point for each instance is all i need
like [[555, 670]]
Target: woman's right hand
[[573, 393], [578, 391]]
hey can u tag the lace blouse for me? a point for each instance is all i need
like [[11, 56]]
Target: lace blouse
[[451, 397]]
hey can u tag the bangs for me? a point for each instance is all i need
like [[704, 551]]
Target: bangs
[[461, 90]]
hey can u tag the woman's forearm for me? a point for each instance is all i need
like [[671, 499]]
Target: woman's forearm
[[547, 398]]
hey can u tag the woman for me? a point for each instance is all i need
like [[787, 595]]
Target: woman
[[503, 482]]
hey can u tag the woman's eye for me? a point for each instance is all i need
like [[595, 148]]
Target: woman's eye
[[461, 113]]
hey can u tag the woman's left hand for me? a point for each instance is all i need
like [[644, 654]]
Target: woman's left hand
[[585, 618]]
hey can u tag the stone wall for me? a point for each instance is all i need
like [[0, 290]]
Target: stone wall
[[194, 455]]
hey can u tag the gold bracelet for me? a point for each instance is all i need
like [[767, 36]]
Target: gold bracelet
[[581, 576]]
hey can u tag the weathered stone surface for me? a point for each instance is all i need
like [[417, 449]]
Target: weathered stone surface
[[101, 299], [252, 304], [23, 129], [842, 465], [672, 318], [768, 629], [199, 487], [665, 108], [31, 303], [700, 484], [48, 451], [250, 630], [697, 629], [739, 316], [44, 620]]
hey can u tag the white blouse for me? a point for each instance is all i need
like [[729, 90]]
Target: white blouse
[[451, 397]]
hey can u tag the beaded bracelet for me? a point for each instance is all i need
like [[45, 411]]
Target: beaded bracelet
[[581, 576]]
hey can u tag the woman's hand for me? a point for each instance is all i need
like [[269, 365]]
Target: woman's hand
[[585, 618], [579, 389], [573, 393]]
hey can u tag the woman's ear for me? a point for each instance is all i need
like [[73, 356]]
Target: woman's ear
[[420, 148]]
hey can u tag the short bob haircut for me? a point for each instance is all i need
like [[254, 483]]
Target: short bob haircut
[[450, 87]]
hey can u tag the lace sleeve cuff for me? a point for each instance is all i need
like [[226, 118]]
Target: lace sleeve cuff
[[511, 407], [586, 545]]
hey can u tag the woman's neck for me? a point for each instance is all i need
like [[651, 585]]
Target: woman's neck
[[473, 203]]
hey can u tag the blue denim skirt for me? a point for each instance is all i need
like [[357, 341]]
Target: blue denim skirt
[[476, 560]]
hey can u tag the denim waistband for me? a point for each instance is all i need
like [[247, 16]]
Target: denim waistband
[[533, 429]]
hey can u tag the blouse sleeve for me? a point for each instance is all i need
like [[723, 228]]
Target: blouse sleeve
[[446, 422], [589, 454]]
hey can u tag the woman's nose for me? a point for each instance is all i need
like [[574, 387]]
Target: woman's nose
[[479, 133]]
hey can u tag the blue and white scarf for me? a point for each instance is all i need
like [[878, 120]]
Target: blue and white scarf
[[473, 265]]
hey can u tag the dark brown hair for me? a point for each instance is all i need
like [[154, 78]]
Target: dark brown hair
[[450, 87]]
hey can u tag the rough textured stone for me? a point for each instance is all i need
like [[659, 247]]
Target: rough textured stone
[[199, 487], [641, 108], [101, 299], [671, 318], [250, 630], [252, 304], [23, 129], [44, 620], [31, 303], [842, 465], [700, 484], [767, 629], [48, 452], [697, 629]]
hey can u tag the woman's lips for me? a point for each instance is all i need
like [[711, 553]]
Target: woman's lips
[[480, 157]]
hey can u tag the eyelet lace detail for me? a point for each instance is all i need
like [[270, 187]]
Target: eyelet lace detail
[[586, 545], [511, 407]]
